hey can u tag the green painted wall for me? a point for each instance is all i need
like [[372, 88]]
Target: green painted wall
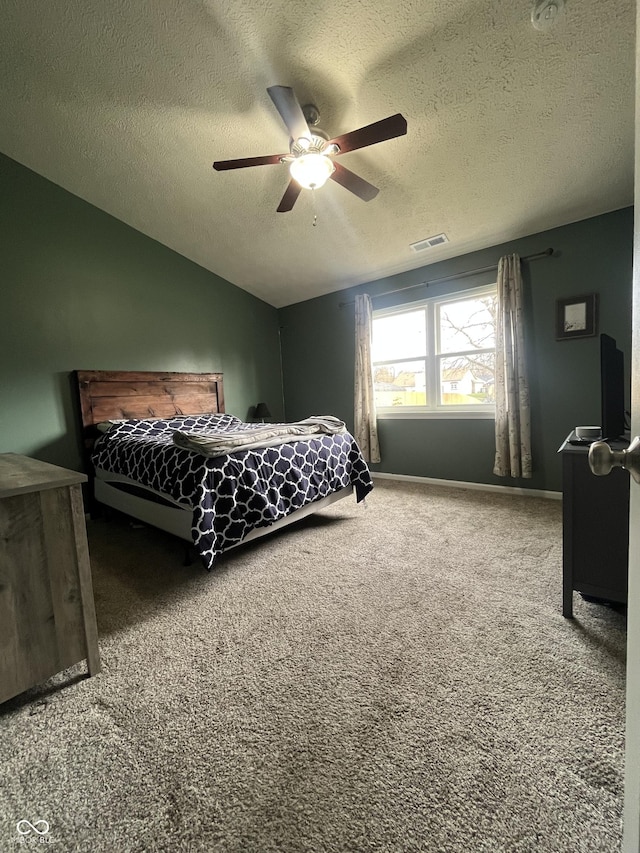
[[81, 290], [594, 255]]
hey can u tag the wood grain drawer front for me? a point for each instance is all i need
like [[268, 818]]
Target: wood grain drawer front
[[42, 619]]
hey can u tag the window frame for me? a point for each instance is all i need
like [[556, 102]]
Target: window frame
[[432, 358]]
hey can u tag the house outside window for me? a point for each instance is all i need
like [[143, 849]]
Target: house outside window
[[436, 357]]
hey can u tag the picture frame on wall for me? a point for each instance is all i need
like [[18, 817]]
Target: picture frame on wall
[[577, 317]]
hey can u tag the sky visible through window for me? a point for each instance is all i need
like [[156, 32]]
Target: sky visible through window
[[399, 336], [468, 324]]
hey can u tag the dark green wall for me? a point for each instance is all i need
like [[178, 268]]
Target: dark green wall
[[590, 256], [81, 290]]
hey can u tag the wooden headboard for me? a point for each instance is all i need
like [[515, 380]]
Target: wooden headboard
[[114, 394]]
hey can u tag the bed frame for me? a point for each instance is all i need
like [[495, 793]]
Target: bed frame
[[113, 394]]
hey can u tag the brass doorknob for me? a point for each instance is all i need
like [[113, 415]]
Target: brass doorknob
[[602, 458]]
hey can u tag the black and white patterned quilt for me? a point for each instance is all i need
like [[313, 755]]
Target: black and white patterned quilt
[[231, 495]]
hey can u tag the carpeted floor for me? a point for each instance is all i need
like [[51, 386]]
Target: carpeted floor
[[396, 677]]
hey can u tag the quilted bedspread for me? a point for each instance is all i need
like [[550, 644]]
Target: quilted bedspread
[[234, 493]]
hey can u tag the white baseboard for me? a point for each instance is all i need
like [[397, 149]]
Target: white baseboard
[[459, 484]]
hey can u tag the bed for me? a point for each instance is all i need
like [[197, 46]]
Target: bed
[[153, 443]]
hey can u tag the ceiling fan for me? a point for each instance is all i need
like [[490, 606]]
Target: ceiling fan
[[311, 152]]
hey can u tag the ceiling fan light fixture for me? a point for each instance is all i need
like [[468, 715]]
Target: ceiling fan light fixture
[[311, 171], [311, 150]]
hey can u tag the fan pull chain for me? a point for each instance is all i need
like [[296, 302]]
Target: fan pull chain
[[313, 202]]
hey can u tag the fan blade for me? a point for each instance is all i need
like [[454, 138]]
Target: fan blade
[[290, 111], [386, 128], [221, 165], [290, 197], [354, 183]]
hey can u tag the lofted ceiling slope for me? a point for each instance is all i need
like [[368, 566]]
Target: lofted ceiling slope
[[511, 130]]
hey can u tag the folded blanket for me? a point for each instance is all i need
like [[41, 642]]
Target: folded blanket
[[262, 435]]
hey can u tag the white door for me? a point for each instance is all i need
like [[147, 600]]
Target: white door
[[632, 750], [632, 755]]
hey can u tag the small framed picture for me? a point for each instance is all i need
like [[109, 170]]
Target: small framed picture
[[577, 317]]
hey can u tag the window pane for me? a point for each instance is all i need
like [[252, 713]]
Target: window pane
[[467, 380], [467, 324], [400, 384], [399, 336]]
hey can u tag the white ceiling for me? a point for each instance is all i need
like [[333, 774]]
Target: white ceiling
[[511, 130]]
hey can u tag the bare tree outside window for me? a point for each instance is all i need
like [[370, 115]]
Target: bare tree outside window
[[469, 327]]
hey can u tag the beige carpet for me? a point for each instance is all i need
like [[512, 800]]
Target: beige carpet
[[396, 677]]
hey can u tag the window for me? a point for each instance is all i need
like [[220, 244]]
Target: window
[[437, 356]]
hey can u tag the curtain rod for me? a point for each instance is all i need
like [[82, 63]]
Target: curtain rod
[[547, 253]]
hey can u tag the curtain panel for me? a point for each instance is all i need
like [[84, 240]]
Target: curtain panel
[[366, 426], [513, 415]]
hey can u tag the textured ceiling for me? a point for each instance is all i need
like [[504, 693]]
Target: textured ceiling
[[511, 130]]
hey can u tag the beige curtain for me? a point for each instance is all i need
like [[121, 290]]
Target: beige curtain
[[366, 427], [513, 419]]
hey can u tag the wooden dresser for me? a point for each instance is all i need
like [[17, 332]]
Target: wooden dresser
[[47, 613]]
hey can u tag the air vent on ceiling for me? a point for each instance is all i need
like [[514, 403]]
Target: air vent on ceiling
[[429, 243]]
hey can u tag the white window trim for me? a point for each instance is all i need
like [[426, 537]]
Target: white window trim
[[479, 411], [404, 413]]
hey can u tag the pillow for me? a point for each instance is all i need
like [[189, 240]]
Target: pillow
[[103, 426], [206, 420]]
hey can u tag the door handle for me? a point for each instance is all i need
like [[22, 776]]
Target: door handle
[[602, 458]]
